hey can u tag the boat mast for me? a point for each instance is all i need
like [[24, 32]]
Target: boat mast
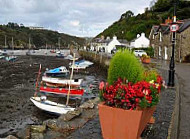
[[12, 44], [59, 42], [70, 80], [36, 91], [5, 41], [29, 43]]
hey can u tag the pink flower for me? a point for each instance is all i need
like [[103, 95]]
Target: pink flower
[[101, 86]]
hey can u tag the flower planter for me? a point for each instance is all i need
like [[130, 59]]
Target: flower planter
[[118, 123], [145, 60]]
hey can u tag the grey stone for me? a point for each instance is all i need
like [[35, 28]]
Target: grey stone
[[37, 136], [87, 105], [70, 115], [52, 124], [38, 128], [11, 137]]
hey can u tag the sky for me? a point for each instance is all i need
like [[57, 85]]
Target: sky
[[83, 18]]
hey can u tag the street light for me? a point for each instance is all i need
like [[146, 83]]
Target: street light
[[172, 61]]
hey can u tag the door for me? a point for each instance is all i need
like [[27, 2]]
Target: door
[[166, 53]]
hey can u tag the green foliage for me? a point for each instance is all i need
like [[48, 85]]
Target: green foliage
[[38, 38], [150, 75], [155, 99], [128, 26], [126, 66]]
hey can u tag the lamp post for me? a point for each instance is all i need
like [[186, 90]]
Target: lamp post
[[172, 60]]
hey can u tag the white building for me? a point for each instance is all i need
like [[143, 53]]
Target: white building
[[140, 42], [112, 45]]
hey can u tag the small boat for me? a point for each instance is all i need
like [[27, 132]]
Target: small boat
[[58, 72], [10, 58], [50, 107], [84, 63], [2, 57], [62, 91], [77, 67], [60, 55], [70, 57], [63, 82]]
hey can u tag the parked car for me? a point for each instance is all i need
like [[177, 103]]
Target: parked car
[[139, 53]]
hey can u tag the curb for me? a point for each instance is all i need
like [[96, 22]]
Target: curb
[[174, 124]]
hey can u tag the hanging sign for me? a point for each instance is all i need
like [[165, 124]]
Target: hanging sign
[[174, 27]]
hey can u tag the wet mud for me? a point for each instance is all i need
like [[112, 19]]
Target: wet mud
[[17, 85]]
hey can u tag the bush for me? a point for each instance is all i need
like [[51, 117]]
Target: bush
[[150, 75], [125, 65]]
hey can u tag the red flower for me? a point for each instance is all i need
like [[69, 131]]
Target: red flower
[[101, 86]]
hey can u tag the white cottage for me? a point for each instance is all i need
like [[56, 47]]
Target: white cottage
[[140, 42], [112, 44]]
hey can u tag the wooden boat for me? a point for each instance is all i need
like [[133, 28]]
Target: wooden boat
[[62, 91], [62, 82], [51, 107]]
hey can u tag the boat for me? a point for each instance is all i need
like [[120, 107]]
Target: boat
[[57, 72], [60, 55], [50, 106], [77, 67], [53, 107], [76, 92], [70, 57], [11, 58], [82, 64], [61, 82]]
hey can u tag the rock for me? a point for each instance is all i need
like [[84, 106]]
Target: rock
[[11, 137], [52, 124], [38, 128], [87, 105], [96, 100], [37, 136], [70, 115], [24, 133]]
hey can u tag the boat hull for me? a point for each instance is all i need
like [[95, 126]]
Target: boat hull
[[62, 91], [62, 82], [51, 107]]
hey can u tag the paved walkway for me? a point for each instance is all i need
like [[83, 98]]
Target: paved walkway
[[183, 74]]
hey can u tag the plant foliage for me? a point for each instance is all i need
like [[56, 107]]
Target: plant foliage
[[126, 66]]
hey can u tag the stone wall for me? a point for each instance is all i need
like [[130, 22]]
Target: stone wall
[[182, 47]]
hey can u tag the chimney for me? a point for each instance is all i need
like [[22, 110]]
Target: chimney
[[168, 21]]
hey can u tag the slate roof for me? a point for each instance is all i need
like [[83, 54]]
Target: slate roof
[[165, 28]]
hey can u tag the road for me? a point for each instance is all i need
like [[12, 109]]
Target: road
[[183, 74]]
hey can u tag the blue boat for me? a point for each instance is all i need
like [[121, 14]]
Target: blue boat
[[58, 72]]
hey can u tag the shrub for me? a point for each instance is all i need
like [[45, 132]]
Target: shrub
[[125, 65], [150, 75]]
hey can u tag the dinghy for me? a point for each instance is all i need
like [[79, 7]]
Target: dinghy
[[62, 81], [50, 107], [58, 72]]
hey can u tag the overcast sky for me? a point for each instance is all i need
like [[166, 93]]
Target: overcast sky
[[74, 17]]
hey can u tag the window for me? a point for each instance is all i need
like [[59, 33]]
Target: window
[[160, 36], [160, 50]]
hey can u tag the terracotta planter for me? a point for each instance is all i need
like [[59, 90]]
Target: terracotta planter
[[117, 123], [145, 60]]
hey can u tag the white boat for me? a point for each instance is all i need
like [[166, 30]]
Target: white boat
[[77, 67], [49, 106], [74, 82]]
